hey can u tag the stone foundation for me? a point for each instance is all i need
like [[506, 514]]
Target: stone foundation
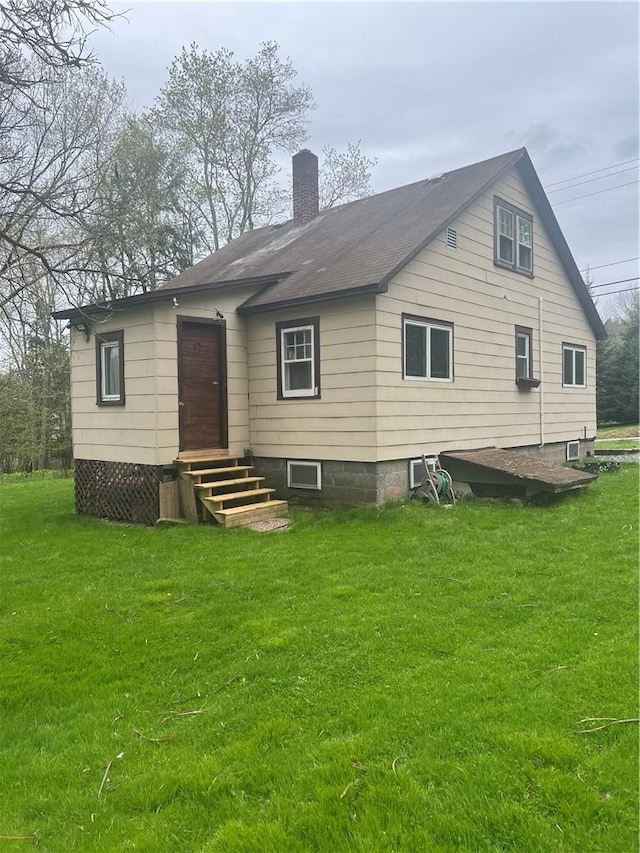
[[373, 483]]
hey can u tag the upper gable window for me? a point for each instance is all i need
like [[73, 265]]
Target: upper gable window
[[298, 347], [513, 237]]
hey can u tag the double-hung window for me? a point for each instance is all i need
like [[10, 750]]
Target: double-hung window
[[427, 349], [110, 368], [298, 348], [574, 366], [513, 238], [524, 359]]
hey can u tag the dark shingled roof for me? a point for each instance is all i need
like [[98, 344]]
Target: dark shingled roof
[[358, 247], [349, 248]]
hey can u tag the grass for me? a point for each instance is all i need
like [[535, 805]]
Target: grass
[[618, 437], [411, 679]]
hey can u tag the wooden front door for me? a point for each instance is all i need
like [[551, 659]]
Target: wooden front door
[[202, 384]]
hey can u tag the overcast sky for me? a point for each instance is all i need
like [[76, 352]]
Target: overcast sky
[[427, 87]]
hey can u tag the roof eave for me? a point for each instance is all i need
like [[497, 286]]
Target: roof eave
[[375, 287], [543, 206], [162, 294], [516, 156]]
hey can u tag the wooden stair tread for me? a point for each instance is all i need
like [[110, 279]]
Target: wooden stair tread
[[217, 484], [248, 493], [202, 472], [236, 510], [230, 461], [204, 455]]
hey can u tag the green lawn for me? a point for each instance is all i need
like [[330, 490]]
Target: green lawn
[[618, 431], [411, 679]]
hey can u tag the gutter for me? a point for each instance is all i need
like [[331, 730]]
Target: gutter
[[164, 293], [376, 287], [541, 374]]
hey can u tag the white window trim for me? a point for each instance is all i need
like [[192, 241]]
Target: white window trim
[[428, 325], [573, 456], [312, 391], [105, 343], [105, 346], [574, 348], [526, 336], [304, 464], [516, 218]]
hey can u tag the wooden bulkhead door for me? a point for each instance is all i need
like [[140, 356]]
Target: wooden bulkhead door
[[202, 384]]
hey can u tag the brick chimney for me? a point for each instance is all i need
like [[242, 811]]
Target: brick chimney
[[305, 187]]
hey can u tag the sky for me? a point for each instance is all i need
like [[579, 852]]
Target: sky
[[426, 87]]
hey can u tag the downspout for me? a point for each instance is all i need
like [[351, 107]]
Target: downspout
[[541, 386]]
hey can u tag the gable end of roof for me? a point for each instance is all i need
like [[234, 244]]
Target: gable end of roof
[[542, 205]]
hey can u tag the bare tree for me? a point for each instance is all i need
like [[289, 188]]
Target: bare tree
[[229, 119], [344, 175], [54, 141], [54, 32]]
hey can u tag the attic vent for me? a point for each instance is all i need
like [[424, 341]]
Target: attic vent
[[451, 238]]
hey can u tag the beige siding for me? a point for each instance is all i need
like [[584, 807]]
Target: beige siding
[[341, 424], [366, 412], [145, 429], [116, 433], [483, 405]]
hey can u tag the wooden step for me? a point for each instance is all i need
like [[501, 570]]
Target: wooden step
[[205, 472], [204, 455], [235, 496], [240, 516], [197, 464], [221, 484]]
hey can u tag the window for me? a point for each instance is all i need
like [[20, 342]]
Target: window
[[574, 360], [573, 451], [110, 368], [428, 349], [298, 348], [514, 238], [304, 475], [523, 353]]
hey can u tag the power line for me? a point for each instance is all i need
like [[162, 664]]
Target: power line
[[612, 264], [620, 281], [591, 180], [588, 195], [595, 172], [613, 292]]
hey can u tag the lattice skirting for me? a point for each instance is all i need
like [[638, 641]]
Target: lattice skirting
[[122, 491]]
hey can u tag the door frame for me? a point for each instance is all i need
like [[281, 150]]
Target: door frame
[[221, 327]]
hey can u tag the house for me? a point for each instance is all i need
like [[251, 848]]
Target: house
[[330, 352]]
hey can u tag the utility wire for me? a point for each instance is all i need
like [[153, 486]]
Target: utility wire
[[613, 292], [595, 172], [612, 264], [588, 195], [591, 180], [620, 281]]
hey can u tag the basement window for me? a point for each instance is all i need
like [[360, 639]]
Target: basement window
[[573, 451], [110, 368], [304, 475]]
